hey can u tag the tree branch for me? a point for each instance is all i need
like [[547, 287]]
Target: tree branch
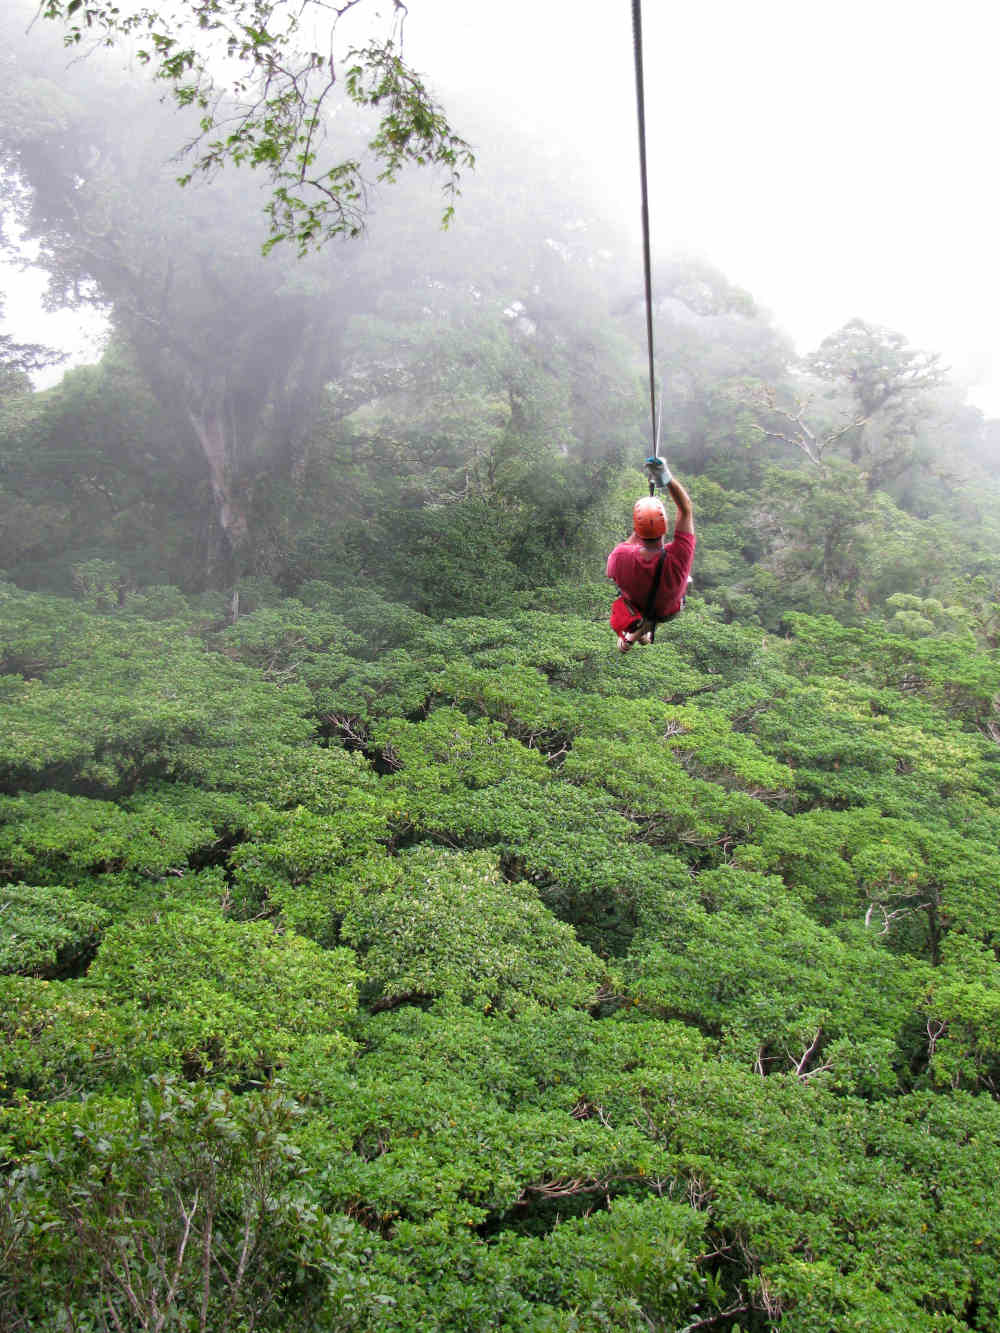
[[716, 1318], [807, 1055]]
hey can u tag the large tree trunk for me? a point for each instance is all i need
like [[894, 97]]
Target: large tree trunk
[[217, 445]]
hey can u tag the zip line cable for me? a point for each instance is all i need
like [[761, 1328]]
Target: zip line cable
[[641, 109]]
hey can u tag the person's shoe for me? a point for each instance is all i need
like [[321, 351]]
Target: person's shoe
[[646, 638], [624, 643]]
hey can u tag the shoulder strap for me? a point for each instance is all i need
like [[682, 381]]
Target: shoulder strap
[[654, 588]]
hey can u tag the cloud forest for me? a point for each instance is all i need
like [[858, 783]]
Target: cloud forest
[[380, 948]]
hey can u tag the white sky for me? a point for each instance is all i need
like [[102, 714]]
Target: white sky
[[835, 160]]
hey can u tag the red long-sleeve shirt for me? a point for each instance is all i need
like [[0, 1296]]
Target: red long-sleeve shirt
[[632, 566]]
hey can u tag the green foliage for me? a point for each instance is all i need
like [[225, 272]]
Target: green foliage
[[275, 117], [963, 1016], [47, 929], [457, 561], [744, 963], [670, 995], [950, 672], [215, 994], [187, 992], [306, 866], [185, 1202], [102, 712], [513, 983], [822, 1197], [628, 1267], [449, 926], [49, 835], [58, 1039]]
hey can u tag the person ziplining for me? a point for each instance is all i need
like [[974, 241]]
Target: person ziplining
[[651, 574]]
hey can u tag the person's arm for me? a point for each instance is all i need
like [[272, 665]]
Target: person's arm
[[685, 510], [659, 474]]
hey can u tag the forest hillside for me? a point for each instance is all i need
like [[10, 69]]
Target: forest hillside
[[379, 948]]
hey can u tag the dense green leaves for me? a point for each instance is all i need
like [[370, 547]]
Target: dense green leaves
[[46, 929], [449, 926], [604, 993], [398, 955], [178, 1201]]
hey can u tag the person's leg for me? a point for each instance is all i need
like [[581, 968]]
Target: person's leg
[[625, 623]]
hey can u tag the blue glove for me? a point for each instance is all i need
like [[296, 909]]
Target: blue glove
[[657, 471]]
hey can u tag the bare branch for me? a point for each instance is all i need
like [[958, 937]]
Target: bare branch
[[889, 917], [798, 434], [936, 1029], [716, 1318], [206, 1269], [810, 1051], [188, 1216]]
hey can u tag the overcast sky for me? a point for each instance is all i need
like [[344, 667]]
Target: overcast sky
[[835, 160]]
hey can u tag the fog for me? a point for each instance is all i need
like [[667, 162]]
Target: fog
[[835, 163]]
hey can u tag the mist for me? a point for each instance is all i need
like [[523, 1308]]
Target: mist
[[836, 165], [834, 168], [521, 326]]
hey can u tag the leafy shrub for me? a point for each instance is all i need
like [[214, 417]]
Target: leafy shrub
[[184, 1208], [450, 925], [46, 929], [213, 994]]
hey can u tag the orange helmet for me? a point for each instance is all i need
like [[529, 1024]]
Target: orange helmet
[[649, 518]]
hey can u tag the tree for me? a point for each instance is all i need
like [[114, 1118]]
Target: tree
[[790, 421], [423, 936], [881, 368], [236, 348], [815, 528], [489, 387], [247, 357], [276, 114], [887, 381], [183, 1208], [18, 360], [710, 336], [95, 465], [767, 1098]]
